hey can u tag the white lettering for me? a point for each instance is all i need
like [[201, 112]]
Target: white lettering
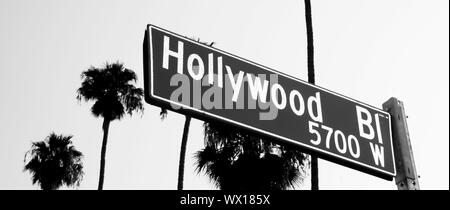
[[167, 52], [236, 85], [257, 89], [200, 66], [377, 124], [378, 154], [318, 103], [295, 94], [364, 122]]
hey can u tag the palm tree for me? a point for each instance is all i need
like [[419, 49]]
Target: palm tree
[[311, 79], [235, 160], [54, 162], [187, 123], [114, 95], [184, 139]]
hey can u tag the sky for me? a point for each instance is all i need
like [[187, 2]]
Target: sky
[[366, 50]]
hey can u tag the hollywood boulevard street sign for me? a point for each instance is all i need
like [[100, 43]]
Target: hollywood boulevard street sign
[[209, 84]]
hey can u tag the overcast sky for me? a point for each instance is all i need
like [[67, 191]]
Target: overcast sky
[[365, 49]]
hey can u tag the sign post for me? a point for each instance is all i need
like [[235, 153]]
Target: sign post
[[209, 84], [406, 178]]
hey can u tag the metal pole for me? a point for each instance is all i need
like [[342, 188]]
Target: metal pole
[[406, 178]]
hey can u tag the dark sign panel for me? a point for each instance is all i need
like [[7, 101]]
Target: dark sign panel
[[197, 80]]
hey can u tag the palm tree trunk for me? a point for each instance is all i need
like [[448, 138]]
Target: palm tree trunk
[[314, 173], [105, 127], [311, 79], [310, 42], [183, 152]]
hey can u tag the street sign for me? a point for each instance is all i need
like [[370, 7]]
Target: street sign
[[209, 84]]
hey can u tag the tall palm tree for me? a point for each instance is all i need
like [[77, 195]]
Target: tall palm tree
[[235, 160], [184, 139], [54, 162], [113, 94], [187, 123], [311, 79]]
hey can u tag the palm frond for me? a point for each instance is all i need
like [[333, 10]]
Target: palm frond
[[54, 162], [235, 160], [112, 91], [163, 114]]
